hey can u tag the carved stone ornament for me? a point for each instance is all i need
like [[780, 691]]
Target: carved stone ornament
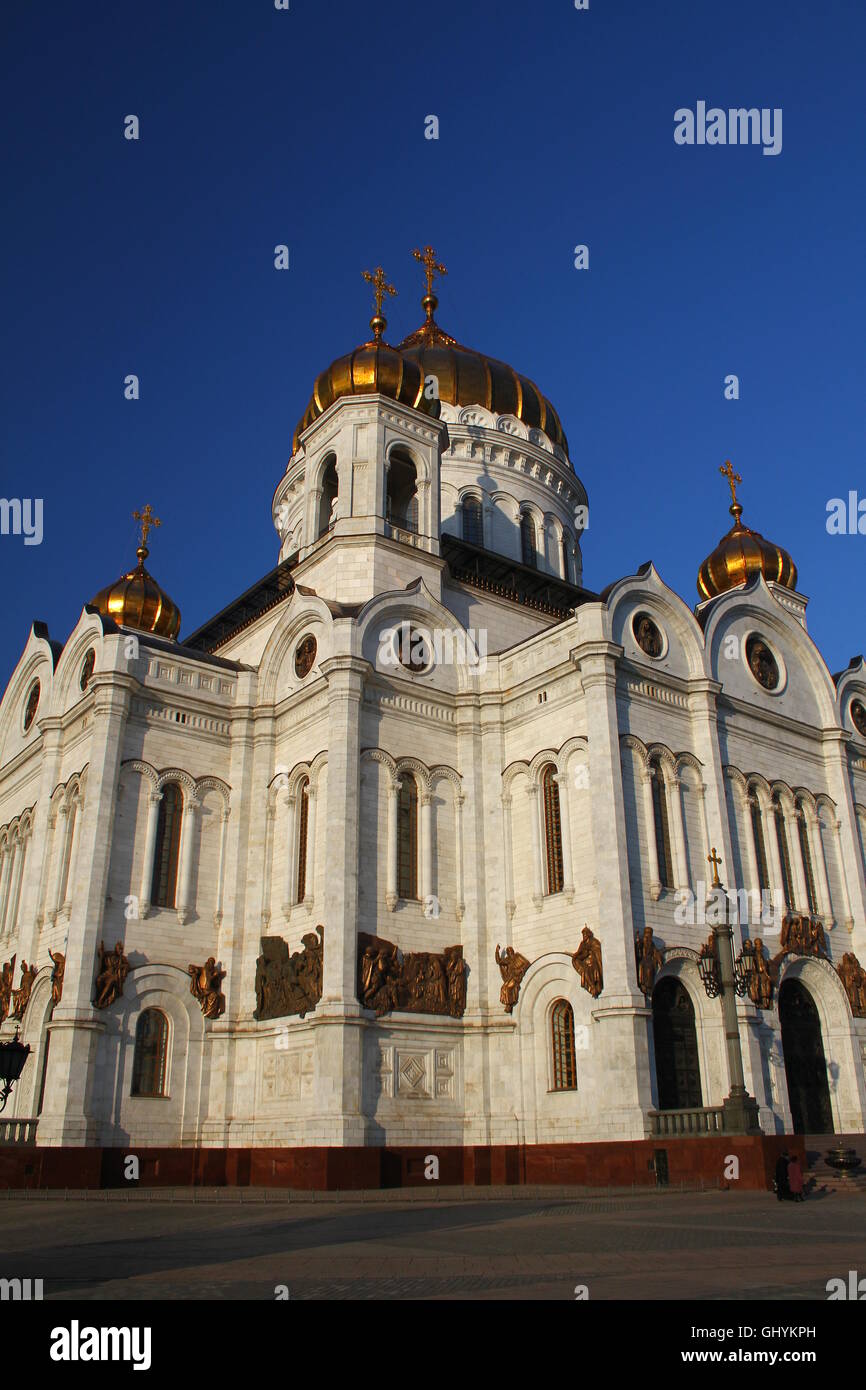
[[59, 962], [112, 968], [853, 977], [204, 985], [762, 663], [420, 982], [649, 960], [647, 635], [289, 984], [512, 967], [305, 655], [802, 936], [21, 996], [587, 962], [7, 976]]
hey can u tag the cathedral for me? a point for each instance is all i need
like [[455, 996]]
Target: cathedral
[[422, 857]]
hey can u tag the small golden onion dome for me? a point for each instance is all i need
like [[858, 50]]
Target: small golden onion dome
[[135, 599], [467, 377], [741, 554]]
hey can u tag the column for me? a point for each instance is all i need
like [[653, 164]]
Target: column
[[153, 800], [310, 875], [6, 868], [187, 858], [391, 869], [460, 906], [426, 846], [748, 840], [676, 803], [565, 831], [771, 844], [224, 829], [290, 853], [795, 854], [510, 904], [345, 676], [819, 865], [843, 877], [15, 890], [535, 816], [267, 867], [58, 840], [655, 882]]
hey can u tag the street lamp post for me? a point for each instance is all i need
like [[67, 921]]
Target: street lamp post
[[719, 974], [13, 1055]]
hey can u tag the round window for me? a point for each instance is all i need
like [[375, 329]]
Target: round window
[[858, 716], [648, 635], [762, 663], [32, 705], [305, 655], [414, 648], [87, 666]]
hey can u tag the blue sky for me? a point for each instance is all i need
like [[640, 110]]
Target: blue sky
[[261, 127]]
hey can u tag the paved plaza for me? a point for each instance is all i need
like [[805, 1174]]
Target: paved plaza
[[504, 1244]]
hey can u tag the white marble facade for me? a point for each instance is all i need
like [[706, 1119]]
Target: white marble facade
[[243, 736]]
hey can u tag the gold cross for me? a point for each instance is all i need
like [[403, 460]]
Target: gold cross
[[380, 286], [431, 265], [715, 861], [733, 478], [147, 520]]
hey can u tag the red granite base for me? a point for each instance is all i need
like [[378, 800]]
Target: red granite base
[[331, 1169]]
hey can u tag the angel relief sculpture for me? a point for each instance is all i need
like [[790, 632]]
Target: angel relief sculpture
[[204, 985], [587, 962], [512, 967]]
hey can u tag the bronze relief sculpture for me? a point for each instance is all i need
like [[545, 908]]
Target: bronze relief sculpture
[[111, 972], [587, 962], [289, 984], [649, 960], [204, 985], [512, 967], [802, 936], [21, 996], [763, 977], [853, 977], [423, 982], [58, 961], [7, 977]]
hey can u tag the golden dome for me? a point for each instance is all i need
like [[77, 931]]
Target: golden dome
[[743, 553], [135, 599], [467, 377]]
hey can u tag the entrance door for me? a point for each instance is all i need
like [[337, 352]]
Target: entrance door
[[805, 1064], [678, 1071]]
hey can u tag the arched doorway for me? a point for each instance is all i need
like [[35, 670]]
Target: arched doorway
[[805, 1063], [678, 1070]]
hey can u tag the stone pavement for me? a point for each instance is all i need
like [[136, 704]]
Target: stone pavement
[[241, 1244]]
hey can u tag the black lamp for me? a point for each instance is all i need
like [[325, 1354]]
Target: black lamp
[[13, 1055]]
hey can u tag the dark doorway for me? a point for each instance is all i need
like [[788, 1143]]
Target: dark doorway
[[678, 1071], [805, 1064]]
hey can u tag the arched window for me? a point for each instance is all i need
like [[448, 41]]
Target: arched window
[[662, 824], [784, 853], [167, 853], [402, 499], [527, 540], [473, 523], [407, 837], [760, 844], [806, 856], [552, 830], [562, 1038], [151, 1050], [327, 501], [303, 821]]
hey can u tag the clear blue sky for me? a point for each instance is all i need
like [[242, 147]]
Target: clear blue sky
[[261, 127]]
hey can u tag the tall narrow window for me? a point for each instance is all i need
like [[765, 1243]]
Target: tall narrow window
[[44, 1077], [784, 853], [552, 830], [662, 824], [564, 1062], [806, 856], [167, 855], [527, 540], [407, 837], [473, 525], [151, 1047], [760, 843], [303, 820], [565, 570]]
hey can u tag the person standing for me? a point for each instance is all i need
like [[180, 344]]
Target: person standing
[[795, 1180]]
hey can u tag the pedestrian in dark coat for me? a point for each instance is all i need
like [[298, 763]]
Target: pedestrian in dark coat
[[795, 1180]]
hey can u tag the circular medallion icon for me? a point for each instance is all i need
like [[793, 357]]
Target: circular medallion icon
[[762, 663], [305, 655]]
